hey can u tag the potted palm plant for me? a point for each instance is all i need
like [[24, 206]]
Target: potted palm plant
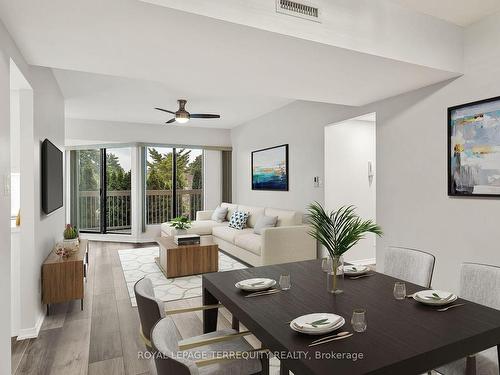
[[338, 231], [181, 223]]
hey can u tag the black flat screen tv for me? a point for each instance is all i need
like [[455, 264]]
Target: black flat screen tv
[[52, 177]]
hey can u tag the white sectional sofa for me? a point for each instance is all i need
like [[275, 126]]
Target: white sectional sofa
[[289, 241]]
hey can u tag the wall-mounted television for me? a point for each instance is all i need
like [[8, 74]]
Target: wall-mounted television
[[52, 177]]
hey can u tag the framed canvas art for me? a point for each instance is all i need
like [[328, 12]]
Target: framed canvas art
[[270, 168], [474, 149]]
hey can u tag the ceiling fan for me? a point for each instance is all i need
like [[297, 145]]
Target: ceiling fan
[[182, 116]]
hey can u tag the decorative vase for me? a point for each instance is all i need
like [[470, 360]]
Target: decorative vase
[[335, 277], [180, 232]]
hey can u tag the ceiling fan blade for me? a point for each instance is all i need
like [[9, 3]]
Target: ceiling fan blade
[[203, 115], [170, 121], [165, 110]]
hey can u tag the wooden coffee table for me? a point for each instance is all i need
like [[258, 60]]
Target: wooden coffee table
[[176, 261]]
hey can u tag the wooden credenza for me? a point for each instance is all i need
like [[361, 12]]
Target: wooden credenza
[[63, 279]]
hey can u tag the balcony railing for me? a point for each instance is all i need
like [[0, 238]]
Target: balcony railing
[[118, 208]]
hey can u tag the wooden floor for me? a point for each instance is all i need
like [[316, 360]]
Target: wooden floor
[[103, 338]]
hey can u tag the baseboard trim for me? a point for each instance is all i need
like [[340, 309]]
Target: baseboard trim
[[31, 333], [364, 262]]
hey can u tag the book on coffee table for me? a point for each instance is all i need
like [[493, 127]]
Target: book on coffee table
[[187, 239]]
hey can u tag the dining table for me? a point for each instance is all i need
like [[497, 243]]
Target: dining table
[[402, 336]]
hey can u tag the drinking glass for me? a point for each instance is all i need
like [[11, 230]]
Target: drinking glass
[[399, 290], [326, 264], [285, 282], [358, 320]]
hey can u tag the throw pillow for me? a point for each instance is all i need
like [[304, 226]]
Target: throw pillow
[[238, 220], [219, 214], [264, 222]]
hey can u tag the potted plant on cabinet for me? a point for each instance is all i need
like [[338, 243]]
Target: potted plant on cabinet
[[70, 237], [338, 231]]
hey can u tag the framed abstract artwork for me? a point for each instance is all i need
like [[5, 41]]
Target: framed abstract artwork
[[474, 149], [270, 168]]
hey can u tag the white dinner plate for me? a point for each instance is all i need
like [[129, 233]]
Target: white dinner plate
[[425, 297], [353, 270], [256, 284], [301, 324]]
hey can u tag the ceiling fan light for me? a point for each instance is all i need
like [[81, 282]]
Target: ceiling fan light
[[182, 117]]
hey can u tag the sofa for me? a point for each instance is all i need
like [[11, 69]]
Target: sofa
[[288, 241]]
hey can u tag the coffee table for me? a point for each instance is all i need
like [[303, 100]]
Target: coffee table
[[176, 261]]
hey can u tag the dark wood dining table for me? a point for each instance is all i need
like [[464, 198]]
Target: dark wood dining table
[[402, 336]]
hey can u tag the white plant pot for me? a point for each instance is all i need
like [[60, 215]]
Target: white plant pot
[[181, 231], [71, 244]]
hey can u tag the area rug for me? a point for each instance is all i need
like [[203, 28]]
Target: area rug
[[139, 263]]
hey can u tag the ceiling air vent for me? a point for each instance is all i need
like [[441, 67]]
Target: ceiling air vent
[[293, 8]]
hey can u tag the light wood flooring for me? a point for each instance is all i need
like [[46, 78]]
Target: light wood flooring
[[103, 338]]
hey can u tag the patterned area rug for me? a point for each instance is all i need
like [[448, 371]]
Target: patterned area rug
[[139, 263]]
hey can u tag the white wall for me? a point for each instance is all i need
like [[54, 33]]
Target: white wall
[[48, 122], [412, 203], [80, 132], [5, 264], [15, 135], [349, 146], [300, 124], [380, 27]]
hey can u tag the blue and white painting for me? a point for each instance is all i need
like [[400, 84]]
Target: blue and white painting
[[270, 169], [475, 149]]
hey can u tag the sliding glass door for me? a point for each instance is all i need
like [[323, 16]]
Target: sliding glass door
[[118, 190], [101, 190], [164, 165], [101, 187], [87, 189], [159, 197], [189, 189]]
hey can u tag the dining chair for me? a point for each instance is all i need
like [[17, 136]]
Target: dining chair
[[414, 266], [479, 283], [151, 309], [202, 355]]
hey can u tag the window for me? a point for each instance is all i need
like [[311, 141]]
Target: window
[[101, 190], [163, 166]]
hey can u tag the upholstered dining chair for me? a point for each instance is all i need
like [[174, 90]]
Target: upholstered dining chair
[[151, 310], [479, 283], [414, 266], [203, 355]]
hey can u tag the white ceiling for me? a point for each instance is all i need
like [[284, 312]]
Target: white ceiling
[[103, 97], [137, 56], [459, 12]]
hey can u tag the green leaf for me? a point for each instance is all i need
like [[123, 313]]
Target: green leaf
[[319, 322], [340, 230]]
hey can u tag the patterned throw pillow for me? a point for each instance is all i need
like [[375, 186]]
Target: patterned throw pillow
[[238, 220]]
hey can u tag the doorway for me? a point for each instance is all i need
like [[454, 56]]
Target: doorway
[[21, 189], [350, 178]]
